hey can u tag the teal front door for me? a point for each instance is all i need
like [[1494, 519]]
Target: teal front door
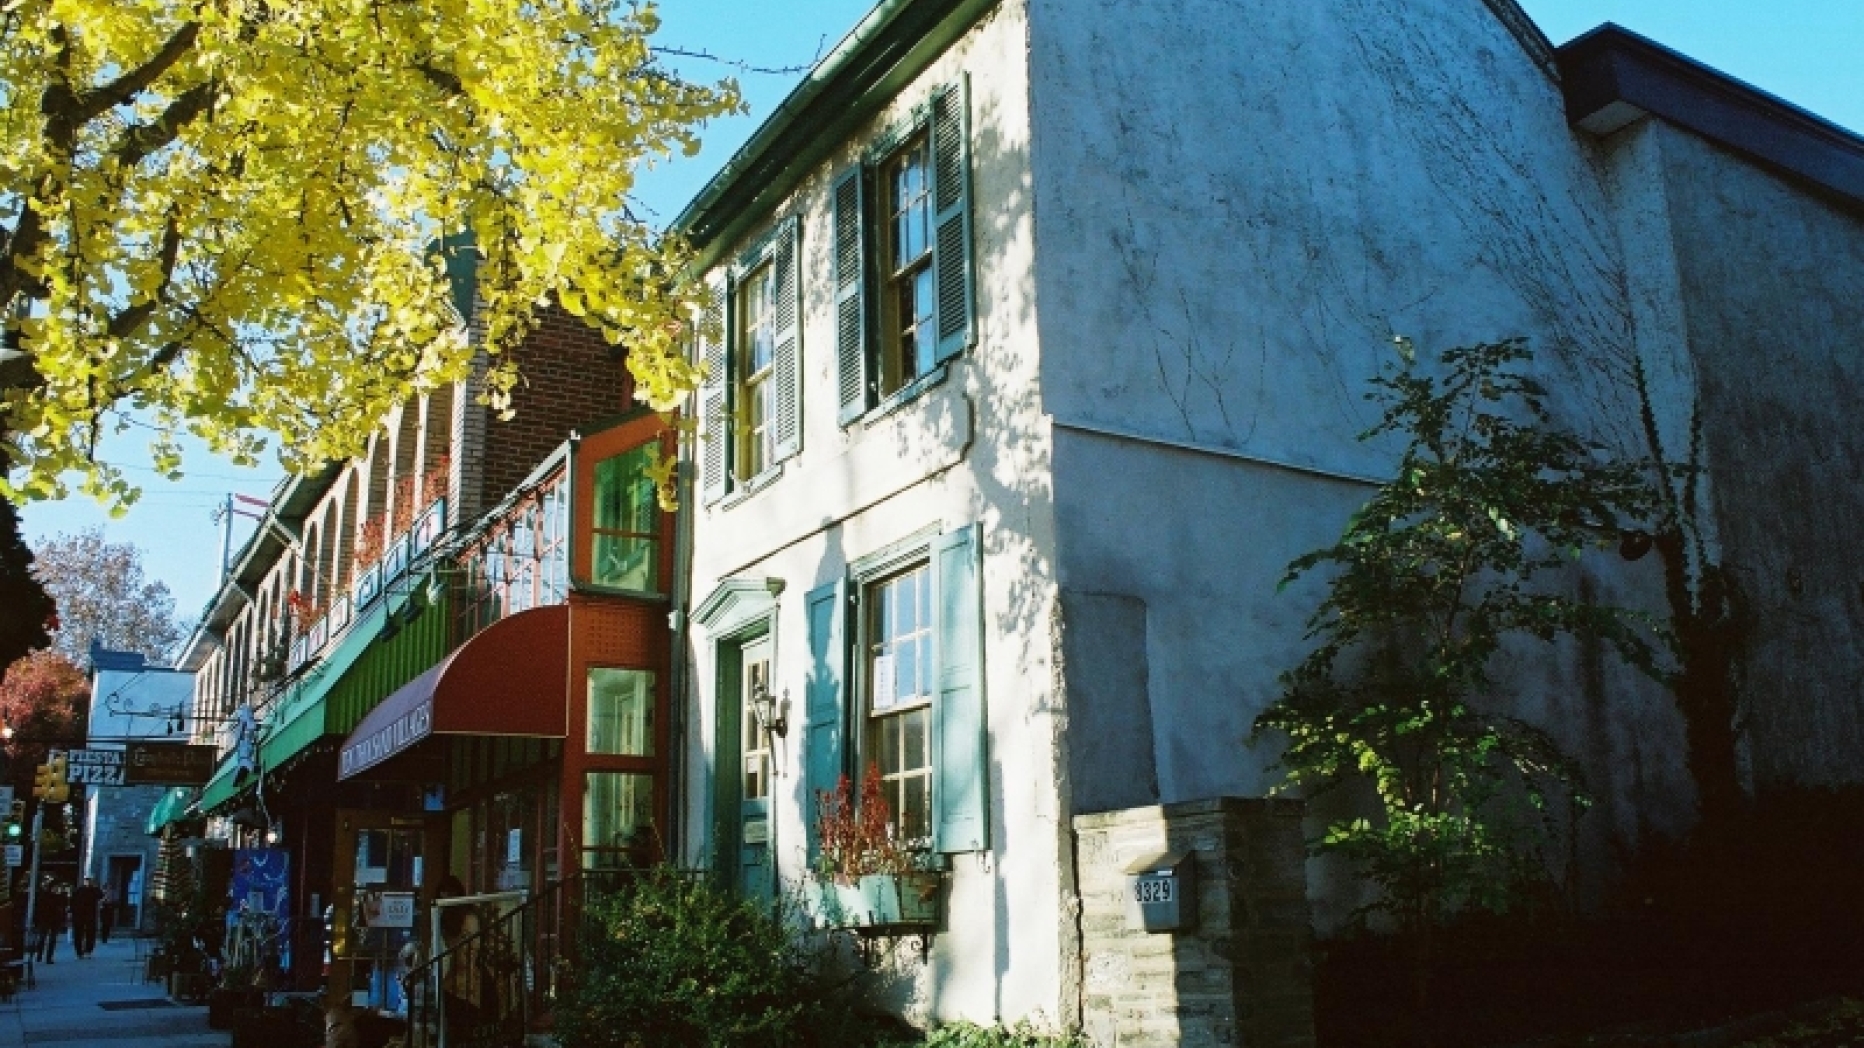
[[756, 872]]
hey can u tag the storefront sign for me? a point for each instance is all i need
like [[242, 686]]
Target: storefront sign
[[389, 909], [95, 767], [167, 764], [392, 738]]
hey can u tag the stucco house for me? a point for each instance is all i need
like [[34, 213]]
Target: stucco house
[[1040, 337]]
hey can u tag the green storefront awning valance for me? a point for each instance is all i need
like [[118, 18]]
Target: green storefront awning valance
[[380, 653], [220, 789], [299, 720], [173, 807]]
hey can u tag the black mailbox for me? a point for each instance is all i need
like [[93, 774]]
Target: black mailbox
[[1162, 892]]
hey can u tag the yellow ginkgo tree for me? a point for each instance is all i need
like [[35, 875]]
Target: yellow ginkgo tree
[[241, 217]]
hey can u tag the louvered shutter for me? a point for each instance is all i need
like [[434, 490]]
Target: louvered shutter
[[787, 365], [826, 702], [850, 295], [951, 219], [960, 771], [715, 426]]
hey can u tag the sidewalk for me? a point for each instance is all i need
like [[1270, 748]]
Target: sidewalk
[[83, 1002]]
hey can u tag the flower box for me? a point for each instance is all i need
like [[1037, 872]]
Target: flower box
[[834, 905], [901, 898]]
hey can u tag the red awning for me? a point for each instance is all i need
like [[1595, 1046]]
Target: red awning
[[510, 679]]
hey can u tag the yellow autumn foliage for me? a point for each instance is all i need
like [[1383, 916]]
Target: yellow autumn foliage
[[227, 213]]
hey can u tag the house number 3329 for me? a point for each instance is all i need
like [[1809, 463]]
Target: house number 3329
[[1152, 889]]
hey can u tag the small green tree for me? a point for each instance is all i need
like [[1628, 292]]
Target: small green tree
[[1473, 543], [676, 961]]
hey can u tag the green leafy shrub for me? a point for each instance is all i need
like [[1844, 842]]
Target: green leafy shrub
[[970, 1035], [675, 961]]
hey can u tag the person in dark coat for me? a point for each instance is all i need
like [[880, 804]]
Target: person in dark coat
[[106, 915], [48, 922], [84, 902]]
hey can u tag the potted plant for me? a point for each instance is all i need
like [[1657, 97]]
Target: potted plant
[[865, 874]]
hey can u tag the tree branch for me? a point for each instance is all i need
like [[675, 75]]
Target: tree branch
[[126, 87], [142, 139], [133, 317]]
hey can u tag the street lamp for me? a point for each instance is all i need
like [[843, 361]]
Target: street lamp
[[772, 715]]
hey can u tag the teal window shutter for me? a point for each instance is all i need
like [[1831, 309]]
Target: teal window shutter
[[951, 219], [715, 425], [826, 698], [960, 769], [850, 214], [787, 363]]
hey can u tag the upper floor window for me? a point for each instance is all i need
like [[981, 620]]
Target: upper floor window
[[521, 561], [908, 305], [750, 342], [907, 309], [625, 531], [755, 348]]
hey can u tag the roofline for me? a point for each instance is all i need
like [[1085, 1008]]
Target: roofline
[[296, 497], [1612, 76], [895, 42]]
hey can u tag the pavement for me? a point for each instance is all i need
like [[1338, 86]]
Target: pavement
[[81, 1003]]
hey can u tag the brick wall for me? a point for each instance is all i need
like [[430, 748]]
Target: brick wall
[[1242, 975], [572, 378]]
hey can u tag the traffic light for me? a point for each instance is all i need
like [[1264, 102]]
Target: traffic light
[[48, 780], [16, 822]]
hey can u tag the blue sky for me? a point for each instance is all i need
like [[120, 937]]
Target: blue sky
[[1805, 51]]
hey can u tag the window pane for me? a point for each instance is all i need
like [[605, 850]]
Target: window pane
[[621, 712], [899, 641], [626, 520], [618, 814]]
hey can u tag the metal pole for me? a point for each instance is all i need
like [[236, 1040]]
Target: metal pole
[[32, 896]]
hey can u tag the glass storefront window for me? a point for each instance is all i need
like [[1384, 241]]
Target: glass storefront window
[[626, 526], [621, 712], [618, 820]]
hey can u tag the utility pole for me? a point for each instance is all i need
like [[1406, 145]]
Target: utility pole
[[223, 516], [32, 896]]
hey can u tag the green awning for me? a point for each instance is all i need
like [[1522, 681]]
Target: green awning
[[299, 720], [173, 807], [363, 668], [220, 789]]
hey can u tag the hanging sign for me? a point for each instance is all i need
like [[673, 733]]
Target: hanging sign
[[167, 764], [95, 767]]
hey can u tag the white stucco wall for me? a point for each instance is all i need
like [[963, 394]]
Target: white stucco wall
[[1224, 212], [1226, 243], [975, 448], [1767, 292]]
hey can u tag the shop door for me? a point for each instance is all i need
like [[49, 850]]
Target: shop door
[[756, 871], [381, 861]]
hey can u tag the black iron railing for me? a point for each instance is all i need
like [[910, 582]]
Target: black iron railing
[[491, 977], [489, 986]]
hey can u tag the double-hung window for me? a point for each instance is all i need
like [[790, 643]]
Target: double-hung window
[[750, 344], [625, 525], [896, 682], [902, 257]]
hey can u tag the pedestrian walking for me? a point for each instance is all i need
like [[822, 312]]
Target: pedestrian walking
[[84, 903], [48, 923], [106, 915]]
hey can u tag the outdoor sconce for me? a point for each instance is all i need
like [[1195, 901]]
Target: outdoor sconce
[[771, 715]]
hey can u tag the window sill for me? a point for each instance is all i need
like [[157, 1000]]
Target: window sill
[[600, 590], [905, 395], [744, 489]]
